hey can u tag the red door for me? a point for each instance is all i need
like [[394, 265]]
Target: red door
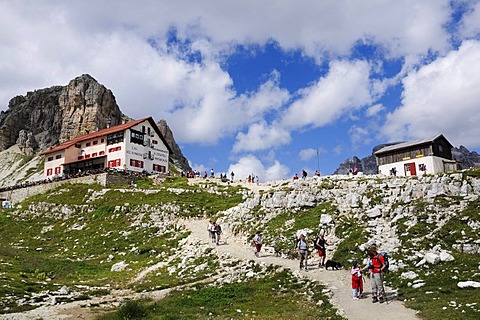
[[410, 169]]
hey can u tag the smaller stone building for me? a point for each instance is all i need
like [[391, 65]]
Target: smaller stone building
[[416, 158]]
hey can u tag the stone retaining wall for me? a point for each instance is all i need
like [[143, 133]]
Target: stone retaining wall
[[17, 195]]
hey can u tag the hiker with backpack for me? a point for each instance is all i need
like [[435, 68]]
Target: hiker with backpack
[[376, 267], [320, 245], [218, 231], [302, 248]]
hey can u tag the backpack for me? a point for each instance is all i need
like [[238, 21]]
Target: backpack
[[315, 245], [385, 258]]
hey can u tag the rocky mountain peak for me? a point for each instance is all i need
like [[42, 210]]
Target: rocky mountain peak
[[49, 116]]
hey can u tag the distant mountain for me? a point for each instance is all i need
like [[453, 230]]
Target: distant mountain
[[47, 117], [368, 165]]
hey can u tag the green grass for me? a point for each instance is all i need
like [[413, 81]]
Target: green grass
[[280, 230], [353, 234], [278, 295], [433, 300], [45, 253]]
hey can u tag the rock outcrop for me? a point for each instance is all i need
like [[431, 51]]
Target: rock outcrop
[[177, 157], [466, 158], [53, 115]]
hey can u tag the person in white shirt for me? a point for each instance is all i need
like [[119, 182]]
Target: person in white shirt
[[257, 242], [302, 247]]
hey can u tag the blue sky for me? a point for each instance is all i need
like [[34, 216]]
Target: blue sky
[[262, 87]]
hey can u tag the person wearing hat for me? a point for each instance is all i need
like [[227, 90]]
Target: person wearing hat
[[375, 266], [357, 283]]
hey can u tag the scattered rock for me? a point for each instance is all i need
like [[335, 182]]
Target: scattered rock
[[466, 284], [119, 266]]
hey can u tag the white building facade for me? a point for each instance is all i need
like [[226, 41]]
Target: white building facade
[[417, 158], [136, 146]]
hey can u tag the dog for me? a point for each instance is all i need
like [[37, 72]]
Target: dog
[[333, 264]]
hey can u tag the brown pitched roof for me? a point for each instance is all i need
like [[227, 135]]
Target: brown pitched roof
[[104, 132], [404, 145]]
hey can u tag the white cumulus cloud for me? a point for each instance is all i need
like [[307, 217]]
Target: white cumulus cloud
[[441, 97], [251, 165], [346, 87]]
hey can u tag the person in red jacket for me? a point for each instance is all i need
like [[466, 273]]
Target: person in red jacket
[[375, 266], [357, 283]]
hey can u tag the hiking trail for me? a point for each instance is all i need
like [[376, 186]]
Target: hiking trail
[[338, 281]]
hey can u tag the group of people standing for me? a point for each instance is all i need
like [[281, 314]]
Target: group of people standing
[[319, 244], [376, 266], [214, 231]]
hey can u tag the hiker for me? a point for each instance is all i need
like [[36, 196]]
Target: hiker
[[320, 244], [357, 280], [213, 233], [257, 242], [295, 177], [304, 174], [232, 175], [376, 265], [210, 229], [302, 248], [217, 230]]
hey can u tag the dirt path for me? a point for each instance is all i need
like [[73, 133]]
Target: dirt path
[[337, 281]]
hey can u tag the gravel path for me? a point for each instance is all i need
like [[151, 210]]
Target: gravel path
[[337, 281]]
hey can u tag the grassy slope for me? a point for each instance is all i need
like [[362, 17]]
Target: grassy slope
[[72, 236], [433, 300]]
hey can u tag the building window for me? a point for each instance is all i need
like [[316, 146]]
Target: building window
[[102, 140], [118, 148], [440, 148], [87, 144], [78, 145], [94, 154], [58, 156], [114, 163], [422, 167], [80, 158], [95, 142], [102, 153], [87, 156], [115, 138], [154, 141], [58, 170], [111, 150], [136, 137], [49, 172], [159, 168], [136, 163], [50, 159]]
